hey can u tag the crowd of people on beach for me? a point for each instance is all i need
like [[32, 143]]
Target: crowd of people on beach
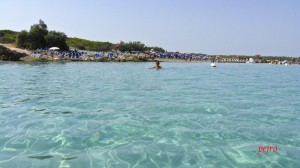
[[73, 54], [151, 55], [94, 55]]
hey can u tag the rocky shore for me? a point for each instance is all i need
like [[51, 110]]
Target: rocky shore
[[7, 54]]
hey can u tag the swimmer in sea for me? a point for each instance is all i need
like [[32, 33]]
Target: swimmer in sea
[[157, 66]]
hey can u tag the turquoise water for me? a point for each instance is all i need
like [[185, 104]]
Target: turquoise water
[[126, 115]]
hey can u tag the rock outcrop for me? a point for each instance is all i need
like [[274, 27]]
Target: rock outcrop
[[10, 55]]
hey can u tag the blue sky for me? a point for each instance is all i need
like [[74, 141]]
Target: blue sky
[[243, 27]]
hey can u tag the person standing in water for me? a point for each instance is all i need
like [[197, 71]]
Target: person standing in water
[[157, 66]]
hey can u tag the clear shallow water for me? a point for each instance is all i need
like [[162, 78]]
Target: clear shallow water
[[126, 115]]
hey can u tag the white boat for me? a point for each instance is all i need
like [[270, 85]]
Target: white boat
[[213, 65]]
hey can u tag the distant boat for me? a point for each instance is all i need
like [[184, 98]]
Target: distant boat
[[213, 65]]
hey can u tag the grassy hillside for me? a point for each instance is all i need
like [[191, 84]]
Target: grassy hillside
[[8, 36], [83, 44]]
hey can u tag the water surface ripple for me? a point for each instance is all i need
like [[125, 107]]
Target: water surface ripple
[[126, 115]]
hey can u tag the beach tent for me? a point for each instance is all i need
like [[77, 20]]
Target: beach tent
[[54, 48]]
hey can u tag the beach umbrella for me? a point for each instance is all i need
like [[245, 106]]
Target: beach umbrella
[[54, 48]]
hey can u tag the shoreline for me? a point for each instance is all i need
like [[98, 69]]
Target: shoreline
[[123, 58]]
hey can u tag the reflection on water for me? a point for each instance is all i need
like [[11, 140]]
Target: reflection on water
[[125, 115]]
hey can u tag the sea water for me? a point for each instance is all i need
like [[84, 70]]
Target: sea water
[[126, 115]]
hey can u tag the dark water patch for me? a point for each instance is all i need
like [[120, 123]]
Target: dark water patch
[[40, 157], [67, 112], [68, 158]]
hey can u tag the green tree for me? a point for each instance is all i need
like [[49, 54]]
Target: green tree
[[57, 39], [23, 40], [37, 35], [40, 37]]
